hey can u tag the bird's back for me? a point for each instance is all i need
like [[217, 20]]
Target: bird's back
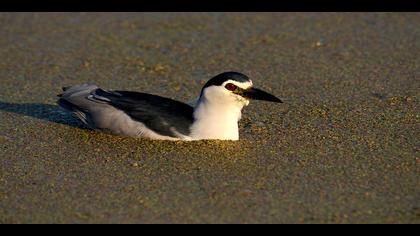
[[129, 113]]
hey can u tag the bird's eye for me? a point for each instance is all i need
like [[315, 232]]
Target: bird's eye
[[231, 87]]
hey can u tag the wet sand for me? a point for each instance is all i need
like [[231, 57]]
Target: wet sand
[[343, 148]]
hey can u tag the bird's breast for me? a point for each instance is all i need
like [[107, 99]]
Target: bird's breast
[[215, 124]]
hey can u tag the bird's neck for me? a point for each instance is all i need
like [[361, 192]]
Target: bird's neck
[[215, 120]]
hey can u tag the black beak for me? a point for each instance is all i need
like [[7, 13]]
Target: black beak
[[258, 94]]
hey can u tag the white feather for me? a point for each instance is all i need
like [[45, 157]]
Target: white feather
[[217, 113]]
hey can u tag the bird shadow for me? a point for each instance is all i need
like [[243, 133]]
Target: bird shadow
[[47, 112]]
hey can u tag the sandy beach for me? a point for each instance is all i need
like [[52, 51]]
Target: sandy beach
[[342, 148]]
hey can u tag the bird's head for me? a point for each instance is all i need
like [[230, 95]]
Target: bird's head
[[233, 88]]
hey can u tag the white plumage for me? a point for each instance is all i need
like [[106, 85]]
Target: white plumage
[[213, 115]]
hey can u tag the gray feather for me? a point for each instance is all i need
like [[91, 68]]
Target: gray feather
[[127, 113]]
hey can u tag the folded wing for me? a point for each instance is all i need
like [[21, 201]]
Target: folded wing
[[162, 115]]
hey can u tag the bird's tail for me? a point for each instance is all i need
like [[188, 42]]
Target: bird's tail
[[74, 100], [69, 91], [64, 90]]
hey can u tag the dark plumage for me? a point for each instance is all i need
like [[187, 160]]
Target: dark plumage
[[221, 78], [214, 116], [157, 113]]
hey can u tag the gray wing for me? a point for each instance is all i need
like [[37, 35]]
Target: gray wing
[[125, 113], [162, 115]]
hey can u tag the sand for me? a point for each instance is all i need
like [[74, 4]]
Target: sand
[[343, 148]]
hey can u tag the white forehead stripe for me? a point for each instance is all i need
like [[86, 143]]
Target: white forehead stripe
[[242, 85]]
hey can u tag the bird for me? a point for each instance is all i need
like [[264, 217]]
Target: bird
[[213, 115]]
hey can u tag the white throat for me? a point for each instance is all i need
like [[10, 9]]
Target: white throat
[[217, 112], [216, 120], [213, 121]]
